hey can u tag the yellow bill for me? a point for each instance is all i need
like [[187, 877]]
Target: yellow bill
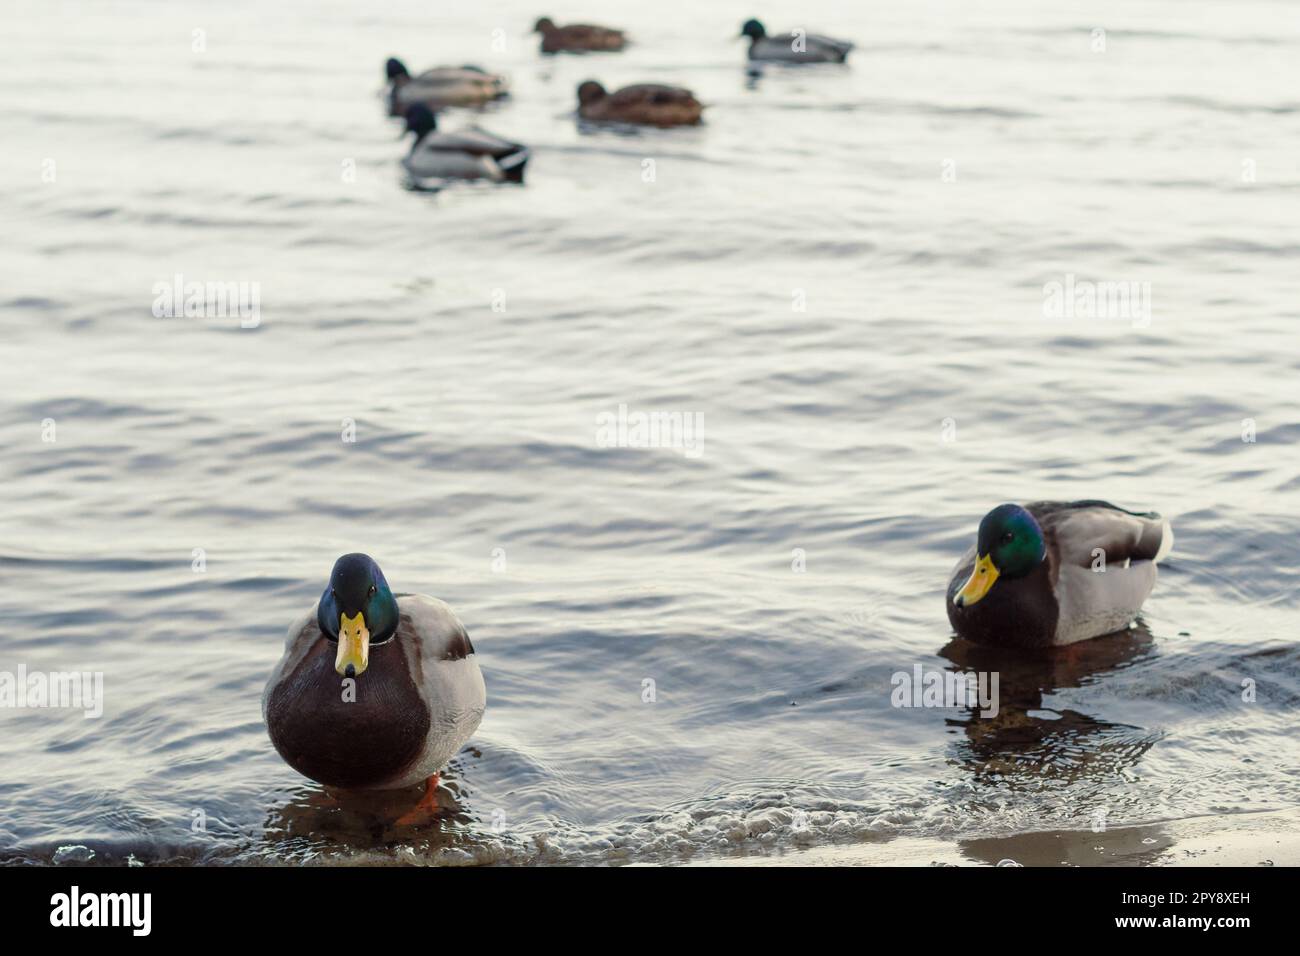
[[354, 645], [979, 582]]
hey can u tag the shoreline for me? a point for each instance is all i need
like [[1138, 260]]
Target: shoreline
[[1264, 838]]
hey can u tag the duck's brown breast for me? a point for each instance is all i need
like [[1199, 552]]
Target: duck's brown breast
[[343, 742], [1019, 612]]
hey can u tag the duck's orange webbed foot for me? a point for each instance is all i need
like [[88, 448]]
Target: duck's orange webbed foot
[[427, 809]]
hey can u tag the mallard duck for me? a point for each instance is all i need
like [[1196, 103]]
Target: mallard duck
[[578, 37], [646, 103], [1056, 572], [376, 690], [467, 154], [793, 47], [442, 86]]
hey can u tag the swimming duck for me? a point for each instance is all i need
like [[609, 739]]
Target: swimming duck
[[376, 690], [578, 37], [467, 154], [646, 103], [442, 86], [1054, 572], [793, 47]]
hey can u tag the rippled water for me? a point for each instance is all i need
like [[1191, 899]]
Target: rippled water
[[842, 271]]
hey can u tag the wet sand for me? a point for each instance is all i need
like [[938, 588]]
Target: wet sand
[[1247, 839]]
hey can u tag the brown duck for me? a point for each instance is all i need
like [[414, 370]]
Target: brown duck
[[578, 38], [648, 104]]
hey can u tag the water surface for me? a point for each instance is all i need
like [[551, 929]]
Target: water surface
[[842, 271]]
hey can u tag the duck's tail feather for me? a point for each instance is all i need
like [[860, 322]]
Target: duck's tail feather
[[1166, 542], [512, 164]]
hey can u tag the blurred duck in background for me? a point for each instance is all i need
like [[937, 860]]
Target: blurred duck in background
[[647, 104], [441, 87], [793, 47], [578, 38], [465, 154]]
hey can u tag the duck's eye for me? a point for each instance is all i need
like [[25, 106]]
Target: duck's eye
[[333, 593], [372, 591], [1006, 538]]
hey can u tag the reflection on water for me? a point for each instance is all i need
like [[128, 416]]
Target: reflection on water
[[318, 820], [1028, 744]]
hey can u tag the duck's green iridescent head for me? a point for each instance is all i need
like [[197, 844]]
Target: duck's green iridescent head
[[1010, 545], [357, 609], [753, 29]]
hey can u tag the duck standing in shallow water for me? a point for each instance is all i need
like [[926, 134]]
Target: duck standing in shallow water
[[1053, 573], [578, 38], [647, 104], [417, 694], [467, 154], [441, 87], [793, 47]]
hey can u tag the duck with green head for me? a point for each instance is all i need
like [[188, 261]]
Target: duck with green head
[[470, 153], [441, 87], [376, 690], [1051, 573], [797, 46]]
